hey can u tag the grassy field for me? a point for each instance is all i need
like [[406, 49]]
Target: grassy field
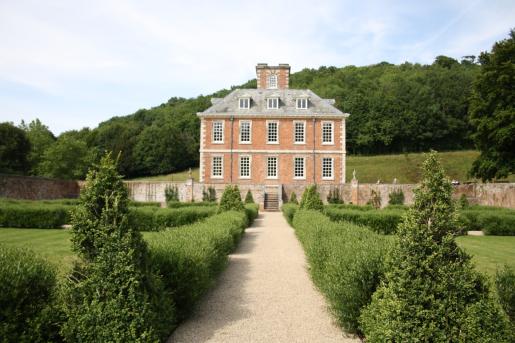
[[179, 176], [369, 169], [53, 244], [488, 252]]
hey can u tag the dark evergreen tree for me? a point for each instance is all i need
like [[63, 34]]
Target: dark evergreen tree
[[492, 112], [14, 150], [431, 291], [112, 294]]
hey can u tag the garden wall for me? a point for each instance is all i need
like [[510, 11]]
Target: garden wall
[[36, 188], [24, 187]]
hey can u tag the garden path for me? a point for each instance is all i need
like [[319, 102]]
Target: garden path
[[264, 295]]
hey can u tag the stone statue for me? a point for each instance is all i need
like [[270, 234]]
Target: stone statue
[[354, 174], [395, 181], [189, 173]]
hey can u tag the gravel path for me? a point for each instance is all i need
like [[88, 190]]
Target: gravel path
[[264, 295]]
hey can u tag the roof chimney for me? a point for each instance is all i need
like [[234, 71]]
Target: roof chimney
[[273, 77]]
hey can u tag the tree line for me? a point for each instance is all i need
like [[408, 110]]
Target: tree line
[[446, 105]]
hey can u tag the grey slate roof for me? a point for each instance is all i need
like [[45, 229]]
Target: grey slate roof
[[287, 103]]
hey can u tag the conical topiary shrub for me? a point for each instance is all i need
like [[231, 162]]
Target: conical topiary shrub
[[231, 199], [112, 293], [311, 199], [431, 292], [293, 198], [249, 199]]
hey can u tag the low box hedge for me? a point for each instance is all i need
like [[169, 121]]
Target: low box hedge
[[346, 262], [133, 203], [380, 221], [52, 215], [491, 220], [178, 204], [252, 212], [190, 257], [157, 219], [34, 215], [27, 286], [289, 210]]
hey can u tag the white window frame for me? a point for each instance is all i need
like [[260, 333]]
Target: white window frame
[[269, 100], [267, 135], [250, 166], [303, 168], [276, 168], [302, 103], [332, 132], [213, 176], [332, 168], [247, 99], [222, 122], [250, 131], [276, 79], [295, 122]]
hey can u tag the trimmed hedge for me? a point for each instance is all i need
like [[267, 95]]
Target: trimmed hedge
[[133, 203], [251, 211], [178, 204], [34, 215], [380, 221], [157, 219], [27, 285], [491, 220], [289, 210], [52, 215], [346, 263], [190, 258]]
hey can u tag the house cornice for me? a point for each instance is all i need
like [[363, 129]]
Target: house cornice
[[273, 115]]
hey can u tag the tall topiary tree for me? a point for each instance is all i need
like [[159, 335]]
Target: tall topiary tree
[[431, 291], [311, 199], [112, 294], [231, 199]]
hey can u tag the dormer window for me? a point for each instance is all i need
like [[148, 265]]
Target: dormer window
[[302, 103], [272, 81], [244, 103], [272, 103]]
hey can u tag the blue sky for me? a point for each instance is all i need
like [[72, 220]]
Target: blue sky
[[77, 63]]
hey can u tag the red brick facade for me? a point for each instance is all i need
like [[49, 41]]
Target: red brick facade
[[225, 158]]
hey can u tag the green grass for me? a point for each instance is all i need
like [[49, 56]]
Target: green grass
[[178, 176], [489, 252], [53, 244], [406, 167], [369, 169]]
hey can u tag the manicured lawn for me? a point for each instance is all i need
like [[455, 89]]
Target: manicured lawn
[[404, 167], [53, 244], [489, 252]]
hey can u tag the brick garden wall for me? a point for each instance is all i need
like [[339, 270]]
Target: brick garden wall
[[36, 188]]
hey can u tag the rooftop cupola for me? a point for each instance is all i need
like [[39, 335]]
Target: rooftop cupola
[[273, 77]]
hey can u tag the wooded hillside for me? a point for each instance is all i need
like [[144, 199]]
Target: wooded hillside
[[394, 108]]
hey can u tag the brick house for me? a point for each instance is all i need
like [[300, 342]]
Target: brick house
[[272, 135]]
